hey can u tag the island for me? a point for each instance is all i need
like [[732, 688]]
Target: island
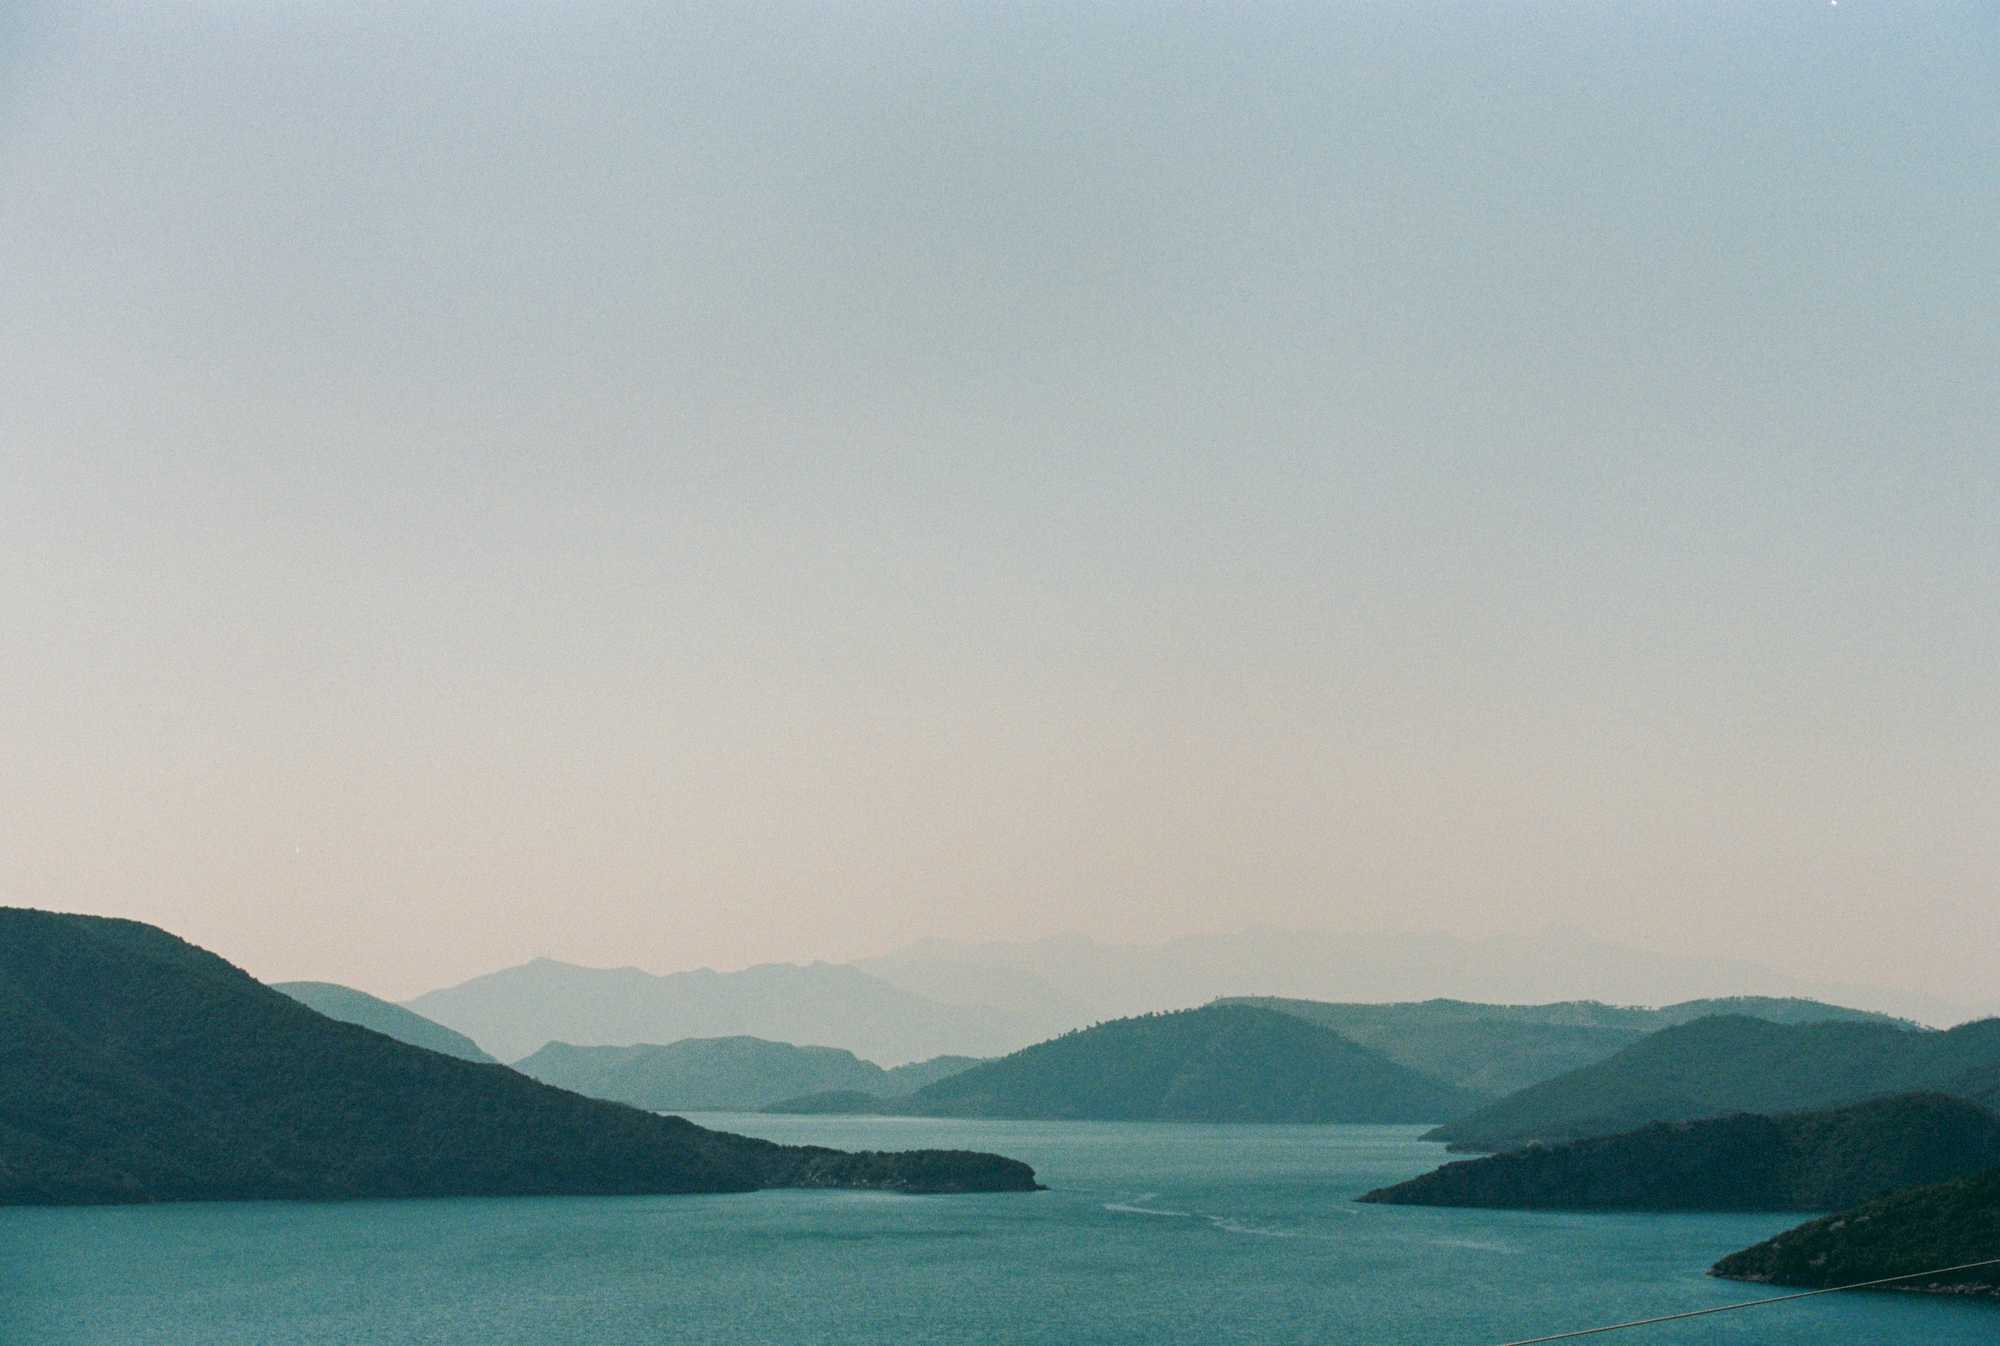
[[1794, 1161]]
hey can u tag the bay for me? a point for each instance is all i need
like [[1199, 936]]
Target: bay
[[1159, 1234]]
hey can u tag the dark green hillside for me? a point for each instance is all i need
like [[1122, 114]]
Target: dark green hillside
[[1917, 1229], [136, 1067], [1493, 1049], [1734, 1064], [723, 1074], [1498, 1049], [1223, 1063], [358, 1007], [1797, 1161], [1771, 1009], [701, 1073]]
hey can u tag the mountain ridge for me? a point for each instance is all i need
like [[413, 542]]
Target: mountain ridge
[[405, 1025], [1215, 1063], [1108, 980], [136, 1067], [1912, 1231], [1731, 1063], [1502, 1048], [514, 1011], [1744, 1161], [726, 1074]]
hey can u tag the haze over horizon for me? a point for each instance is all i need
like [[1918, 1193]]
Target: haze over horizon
[[707, 486]]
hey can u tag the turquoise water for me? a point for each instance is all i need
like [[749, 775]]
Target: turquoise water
[[1154, 1234]]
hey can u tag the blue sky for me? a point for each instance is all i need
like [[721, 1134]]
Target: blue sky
[[713, 483]]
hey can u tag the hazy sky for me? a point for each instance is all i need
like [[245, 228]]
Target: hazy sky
[[717, 483]]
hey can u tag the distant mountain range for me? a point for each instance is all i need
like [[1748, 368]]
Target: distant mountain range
[[358, 1007], [1794, 1161], [1733, 1063], [515, 1011], [137, 1067], [1069, 980], [722, 1074], [1915, 1230], [937, 997], [1498, 1049], [1222, 1063]]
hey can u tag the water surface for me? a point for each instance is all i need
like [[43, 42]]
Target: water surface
[[1153, 1235]]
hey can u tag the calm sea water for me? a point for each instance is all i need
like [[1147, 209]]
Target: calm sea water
[[1153, 1234]]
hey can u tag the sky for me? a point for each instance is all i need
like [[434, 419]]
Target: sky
[[703, 484]]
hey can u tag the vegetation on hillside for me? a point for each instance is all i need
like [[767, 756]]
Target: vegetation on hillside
[[914, 1075], [358, 1007], [700, 1073], [721, 1074], [136, 1067], [1730, 1063], [1914, 1230], [1499, 1049], [1222, 1063], [1795, 1161]]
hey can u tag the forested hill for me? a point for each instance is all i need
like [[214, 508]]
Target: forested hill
[[1914, 1230], [137, 1067], [1730, 1063], [1222, 1063], [358, 1007], [721, 1074], [1795, 1161], [701, 1073], [1498, 1049]]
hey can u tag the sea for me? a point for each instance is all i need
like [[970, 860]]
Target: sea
[[1151, 1234]]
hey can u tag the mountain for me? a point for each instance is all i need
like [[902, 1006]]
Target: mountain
[[1796, 1161], [1732, 1063], [1498, 1049], [1075, 980], [715, 1074], [1771, 1009], [903, 1080], [358, 1007], [1914, 1230], [938, 970], [137, 1067], [907, 1079], [1222, 1063], [514, 1011]]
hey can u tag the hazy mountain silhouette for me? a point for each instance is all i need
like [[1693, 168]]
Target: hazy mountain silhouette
[[1223, 1063], [1730, 1063], [721, 1073], [937, 997], [1498, 1049], [1060, 976], [909, 1078], [1793, 1161], [137, 1067], [512, 1012], [358, 1007]]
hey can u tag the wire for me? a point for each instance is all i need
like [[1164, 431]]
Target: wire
[[1749, 1304]]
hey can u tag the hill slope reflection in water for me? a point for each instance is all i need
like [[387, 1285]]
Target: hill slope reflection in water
[[1154, 1234]]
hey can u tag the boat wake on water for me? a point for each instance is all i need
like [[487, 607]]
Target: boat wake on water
[[1227, 1224]]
